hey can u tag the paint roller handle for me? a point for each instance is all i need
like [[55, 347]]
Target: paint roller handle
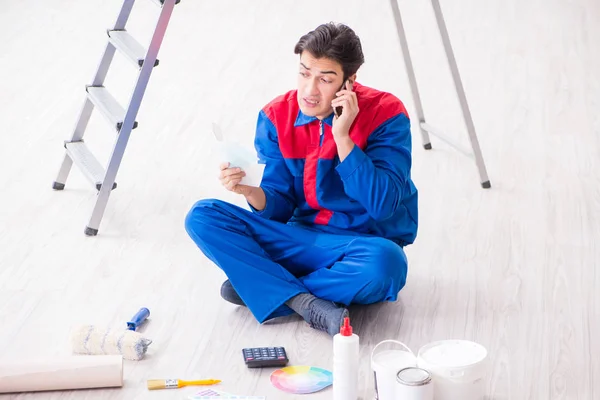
[[138, 319]]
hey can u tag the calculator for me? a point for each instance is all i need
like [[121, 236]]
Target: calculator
[[257, 357]]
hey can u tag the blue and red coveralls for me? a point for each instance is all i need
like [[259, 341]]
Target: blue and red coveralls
[[330, 228]]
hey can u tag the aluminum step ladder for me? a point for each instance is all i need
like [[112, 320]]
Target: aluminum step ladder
[[426, 128], [123, 120]]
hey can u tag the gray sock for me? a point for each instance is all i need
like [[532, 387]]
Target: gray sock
[[320, 314], [301, 303]]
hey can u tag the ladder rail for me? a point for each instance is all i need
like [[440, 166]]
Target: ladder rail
[[462, 97], [124, 14], [67, 163], [410, 71]]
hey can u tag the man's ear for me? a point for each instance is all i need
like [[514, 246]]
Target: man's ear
[[352, 79]]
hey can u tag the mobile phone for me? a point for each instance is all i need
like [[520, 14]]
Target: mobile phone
[[338, 110]]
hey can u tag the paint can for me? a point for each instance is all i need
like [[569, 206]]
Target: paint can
[[386, 363], [414, 383], [457, 368]]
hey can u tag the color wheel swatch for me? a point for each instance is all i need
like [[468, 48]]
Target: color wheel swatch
[[301, 379]]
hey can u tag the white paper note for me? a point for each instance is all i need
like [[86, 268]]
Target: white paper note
[[210, 394], [227, 397], [239, 156]]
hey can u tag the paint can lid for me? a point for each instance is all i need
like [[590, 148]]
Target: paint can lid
[[413, 376], [453, 353], [459, 360]]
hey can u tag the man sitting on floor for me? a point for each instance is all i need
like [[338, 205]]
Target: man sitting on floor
[[336, 205]]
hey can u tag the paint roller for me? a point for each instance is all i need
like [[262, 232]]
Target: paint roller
[[62, 373], [93, 340]]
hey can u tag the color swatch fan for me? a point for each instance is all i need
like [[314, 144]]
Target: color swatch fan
[[301, 379]]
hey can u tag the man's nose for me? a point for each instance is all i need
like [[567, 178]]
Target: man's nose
[[312, 88]]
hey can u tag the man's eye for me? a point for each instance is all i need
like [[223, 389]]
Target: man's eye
[[325, 81], [304, 74]]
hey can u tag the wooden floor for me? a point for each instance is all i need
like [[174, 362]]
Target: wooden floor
[[513, 268]]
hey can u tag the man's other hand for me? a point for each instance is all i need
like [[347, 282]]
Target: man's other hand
[[231, 177]]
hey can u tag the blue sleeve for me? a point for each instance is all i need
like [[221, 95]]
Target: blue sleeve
[[376, 176], [277, 181]]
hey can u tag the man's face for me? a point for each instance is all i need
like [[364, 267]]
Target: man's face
[[319, 79]]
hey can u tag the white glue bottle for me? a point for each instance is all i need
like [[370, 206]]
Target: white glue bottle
[[345, 363]]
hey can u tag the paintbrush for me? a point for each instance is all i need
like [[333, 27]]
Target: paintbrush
[[155, 384]]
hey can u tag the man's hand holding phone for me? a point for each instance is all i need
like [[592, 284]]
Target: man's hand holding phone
[[346, 99]]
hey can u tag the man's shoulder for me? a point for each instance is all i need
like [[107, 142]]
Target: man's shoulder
[[281, 103], [378, 101]]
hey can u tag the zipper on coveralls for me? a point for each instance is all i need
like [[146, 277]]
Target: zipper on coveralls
[[321, 133]]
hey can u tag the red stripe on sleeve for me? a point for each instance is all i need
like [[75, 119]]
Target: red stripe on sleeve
[[323, 217]]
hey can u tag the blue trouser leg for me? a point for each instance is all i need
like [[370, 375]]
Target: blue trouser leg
[[232, 238], [369, 270], [269, 262]]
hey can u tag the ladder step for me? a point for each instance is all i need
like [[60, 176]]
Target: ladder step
[[126, 43], [108, 105], [161, 2], [87, 163]]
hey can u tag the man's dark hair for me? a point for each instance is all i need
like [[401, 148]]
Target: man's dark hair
[[334, 41]]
